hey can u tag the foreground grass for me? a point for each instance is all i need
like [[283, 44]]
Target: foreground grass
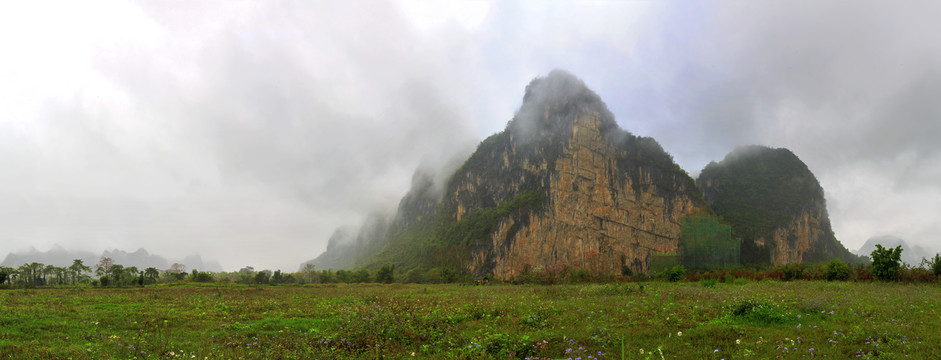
[[629, 320]]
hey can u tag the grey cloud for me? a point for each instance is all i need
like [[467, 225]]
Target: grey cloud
[[262, 127], [840, 83]]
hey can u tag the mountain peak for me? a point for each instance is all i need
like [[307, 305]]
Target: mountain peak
[[550, 105], [560, 185]]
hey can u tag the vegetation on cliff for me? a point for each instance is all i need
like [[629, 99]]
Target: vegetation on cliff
[[443, 242], [760, 190]]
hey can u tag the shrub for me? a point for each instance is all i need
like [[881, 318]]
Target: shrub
[[863, 274], [413, 276], [792, 272], [837, 270], [579, 275], [708, 283], [885, 262], [675, 273], [910, 274], [626, 270], [386, 274], [759, 311]]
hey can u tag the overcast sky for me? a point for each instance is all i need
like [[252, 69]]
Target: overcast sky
[[248, 131]]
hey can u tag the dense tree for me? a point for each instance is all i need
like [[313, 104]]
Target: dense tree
[[361, 276], [343, 276], [201, 276], [30, 274], [289, 279], [262, 277], [838, 270], [386, 274], [886, 262], [326, 276], [77, 269], [117, 274], [413, 276], [277, 278], [152, 273], [6, 274], [246, 275]]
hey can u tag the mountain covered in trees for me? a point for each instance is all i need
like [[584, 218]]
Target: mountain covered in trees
[[563, 187], [775, 205], [59, 256]]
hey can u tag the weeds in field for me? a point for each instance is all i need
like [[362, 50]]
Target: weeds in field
[[762, 319]]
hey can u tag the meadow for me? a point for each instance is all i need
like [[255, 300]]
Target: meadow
[[628, 320]]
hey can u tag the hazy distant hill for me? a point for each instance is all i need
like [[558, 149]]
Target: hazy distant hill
[[911, 254], [57, 256], [348, 242], [60, 256]]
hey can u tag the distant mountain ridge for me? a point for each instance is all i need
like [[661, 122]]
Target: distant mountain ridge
[[140, 258]]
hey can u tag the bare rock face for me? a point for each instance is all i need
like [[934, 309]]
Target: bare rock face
[[794, 241], [608, 199], [562, 186], [775, 206]]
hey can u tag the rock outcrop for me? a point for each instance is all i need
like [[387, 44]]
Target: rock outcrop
[[562, 186], [775, 206]]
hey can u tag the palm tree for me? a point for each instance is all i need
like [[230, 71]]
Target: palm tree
[[36, 269], [152, 273], [31, 273], [46, 271], [130, 271], [78, 268]]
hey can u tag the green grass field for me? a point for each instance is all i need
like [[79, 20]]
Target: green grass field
[[654, 320]]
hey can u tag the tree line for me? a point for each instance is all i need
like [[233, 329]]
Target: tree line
[[104, 273], [107, 273]]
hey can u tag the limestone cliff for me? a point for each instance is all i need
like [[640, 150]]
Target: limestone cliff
[[562, 186], [775, 206]]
